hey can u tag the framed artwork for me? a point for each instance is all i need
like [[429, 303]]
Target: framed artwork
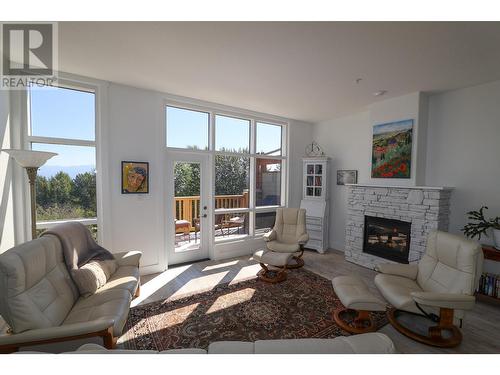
[[391, 149], [135, 177], [349, 176]]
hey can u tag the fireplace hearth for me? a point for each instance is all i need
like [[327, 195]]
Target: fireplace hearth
[[387, 238]]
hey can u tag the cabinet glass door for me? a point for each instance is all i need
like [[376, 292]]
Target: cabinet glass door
[[310, 180], [314, 180]]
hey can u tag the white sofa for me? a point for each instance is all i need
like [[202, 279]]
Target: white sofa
[[368, 343], [41, 304]]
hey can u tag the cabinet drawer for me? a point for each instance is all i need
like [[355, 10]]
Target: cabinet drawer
[[314, 220], [315, 227], [314, 244], [315, 235]]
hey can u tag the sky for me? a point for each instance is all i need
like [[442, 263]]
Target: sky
[[392, 127], [65, 113]]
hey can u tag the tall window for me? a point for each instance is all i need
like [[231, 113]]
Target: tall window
[[62, 120], [248, 164]]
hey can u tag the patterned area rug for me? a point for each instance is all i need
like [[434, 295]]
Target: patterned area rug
[[300, 307]]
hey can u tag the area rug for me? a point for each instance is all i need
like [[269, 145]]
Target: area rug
[[300, 307]]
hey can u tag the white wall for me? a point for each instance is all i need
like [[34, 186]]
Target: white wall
[[135, 132], [135, 221], [347, 141], [300, 134], [464, 150], [7, 234], [458, 146]]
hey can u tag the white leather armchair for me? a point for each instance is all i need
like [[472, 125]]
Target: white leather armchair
[[289, 234], [441, 287]]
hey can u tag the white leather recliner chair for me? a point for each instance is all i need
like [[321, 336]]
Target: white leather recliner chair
[[441, 287], [289, 234]]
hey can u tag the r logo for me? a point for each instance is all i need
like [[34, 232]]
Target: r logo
[[28, 49]]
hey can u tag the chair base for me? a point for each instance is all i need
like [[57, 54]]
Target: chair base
[[109, 341], [361, 321], [272, 276], [138, 290], [435, 336], [299, 262]]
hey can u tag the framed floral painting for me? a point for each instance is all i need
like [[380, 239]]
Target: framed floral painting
[[391, 149]]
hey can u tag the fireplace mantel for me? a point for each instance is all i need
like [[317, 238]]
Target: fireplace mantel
[[427, 208], [404, 187]]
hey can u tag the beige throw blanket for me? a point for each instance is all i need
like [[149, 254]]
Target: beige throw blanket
[[78, 245], [89, 264]]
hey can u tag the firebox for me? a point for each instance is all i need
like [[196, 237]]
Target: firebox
[[387, 238]]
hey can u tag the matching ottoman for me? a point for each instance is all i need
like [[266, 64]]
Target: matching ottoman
[[277, 260], [358, 302]]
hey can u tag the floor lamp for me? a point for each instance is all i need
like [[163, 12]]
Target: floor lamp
[[31, 161]]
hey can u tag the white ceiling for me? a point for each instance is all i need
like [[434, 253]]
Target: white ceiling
[[302, 70]]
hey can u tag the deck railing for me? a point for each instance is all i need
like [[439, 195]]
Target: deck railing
[[188, 208]]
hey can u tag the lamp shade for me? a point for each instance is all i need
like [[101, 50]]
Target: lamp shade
[[29, 158]]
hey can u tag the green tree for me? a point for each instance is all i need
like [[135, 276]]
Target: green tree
[[43, 197], [231, 174], [187, 179], [84, 191], [61, 187]]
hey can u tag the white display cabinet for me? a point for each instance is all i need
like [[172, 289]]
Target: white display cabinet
[[315, 201]]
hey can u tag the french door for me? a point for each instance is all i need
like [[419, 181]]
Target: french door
[[189, 208]]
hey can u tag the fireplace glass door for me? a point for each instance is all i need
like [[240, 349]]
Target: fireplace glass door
[[387, 238]]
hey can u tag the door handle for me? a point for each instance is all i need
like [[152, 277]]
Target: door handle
[[204, 215], [204, 207]]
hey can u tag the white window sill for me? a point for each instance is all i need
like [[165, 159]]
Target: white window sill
[[51, 223]]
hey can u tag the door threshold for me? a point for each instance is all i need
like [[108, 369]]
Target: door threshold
[[188, 263]]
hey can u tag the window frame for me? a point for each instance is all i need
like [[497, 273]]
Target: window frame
[[271, 124], [29, 139], [249, 135], [192, 109], [253, 119]]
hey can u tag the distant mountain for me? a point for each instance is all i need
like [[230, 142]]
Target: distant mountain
[[72, 171]]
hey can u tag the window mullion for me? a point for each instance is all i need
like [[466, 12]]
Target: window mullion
[[60, 141], [252, 181]]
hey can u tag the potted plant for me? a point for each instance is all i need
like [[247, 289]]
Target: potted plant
[[480, 225]]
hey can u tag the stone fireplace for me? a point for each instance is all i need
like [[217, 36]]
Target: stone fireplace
[[410, 214]]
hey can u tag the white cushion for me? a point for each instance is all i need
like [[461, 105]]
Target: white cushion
[[354, 294], [36, 290], [231, 347], [368, 343], [112, 304], [272, 258], [282, 247], [450, 264], [93, 275], [397, 291]]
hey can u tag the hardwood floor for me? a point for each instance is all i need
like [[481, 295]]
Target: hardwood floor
[[481, 330]]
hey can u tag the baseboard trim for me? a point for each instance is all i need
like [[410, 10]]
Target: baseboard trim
[[337, 245]]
